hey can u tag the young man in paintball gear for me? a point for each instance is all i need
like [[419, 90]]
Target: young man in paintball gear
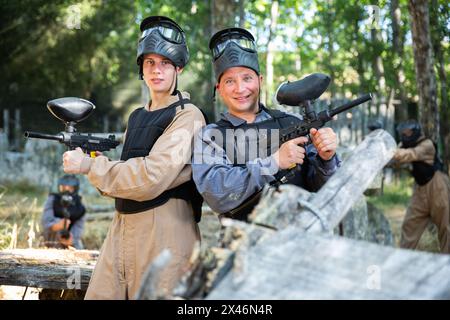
[[156, 201]]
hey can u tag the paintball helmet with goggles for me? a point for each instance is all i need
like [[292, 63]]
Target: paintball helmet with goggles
[[69, 180], [233, 47], [409, 132], [163, 36], [375, 124]]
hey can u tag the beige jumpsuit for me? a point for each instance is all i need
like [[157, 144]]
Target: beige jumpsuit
[[134, 240], [430, 201]]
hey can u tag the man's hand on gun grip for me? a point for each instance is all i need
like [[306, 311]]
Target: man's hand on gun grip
[[72, 161], [290, 153], [325, 142], [60, 225], [67, 242]]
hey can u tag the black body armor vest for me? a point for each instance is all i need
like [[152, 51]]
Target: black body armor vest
[[423, 172], [265, 136], [76, 210], [143, 129]]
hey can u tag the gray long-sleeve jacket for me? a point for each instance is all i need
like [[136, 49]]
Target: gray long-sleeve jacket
[[224, 186]]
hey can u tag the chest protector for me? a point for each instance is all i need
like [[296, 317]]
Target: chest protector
[[76, 210], [143, 129], [249, 141], [423, 172]]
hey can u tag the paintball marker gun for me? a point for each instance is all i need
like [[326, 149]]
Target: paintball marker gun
[[66, 202], [71, 111], [300, 93]]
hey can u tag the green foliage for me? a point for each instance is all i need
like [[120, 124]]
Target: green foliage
[[44, 58], [395, 194], [19, 204], [47, 54], [21, 207]]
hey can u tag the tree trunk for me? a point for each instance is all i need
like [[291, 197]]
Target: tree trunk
[[222, 15], [378, 69], [401, 110], [270, 53], [330, 15], [424, 67], [385, 108], [359, 56], [241, 13], [436, 36]]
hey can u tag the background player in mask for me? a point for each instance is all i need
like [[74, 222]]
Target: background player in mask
[[431, 195], [64, 215]]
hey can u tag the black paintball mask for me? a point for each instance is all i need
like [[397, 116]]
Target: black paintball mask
[[69, 180], [375, 124], [233, 47], [163, 36], [409, 132]]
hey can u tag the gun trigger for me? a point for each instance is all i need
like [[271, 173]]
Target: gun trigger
[[92, 154]]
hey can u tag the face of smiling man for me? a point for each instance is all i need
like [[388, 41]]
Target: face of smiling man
[[239, 88]]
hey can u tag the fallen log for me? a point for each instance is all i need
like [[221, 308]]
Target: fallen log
[[296, 257], [303, 261], [47, 268], [291, 264]]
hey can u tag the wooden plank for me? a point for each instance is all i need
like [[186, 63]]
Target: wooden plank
[[292, 264], [47, 268]]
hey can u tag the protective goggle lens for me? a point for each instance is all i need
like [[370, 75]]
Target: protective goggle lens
[[168, 32], [244, 43]]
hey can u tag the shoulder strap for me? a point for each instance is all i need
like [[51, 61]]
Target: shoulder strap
[[274, 113], [181, 101], [224, 124]]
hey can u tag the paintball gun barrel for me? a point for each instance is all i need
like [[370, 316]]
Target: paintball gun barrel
[[71, 111]]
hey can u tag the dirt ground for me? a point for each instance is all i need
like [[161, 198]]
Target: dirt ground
[[17, 293], [428, 242]]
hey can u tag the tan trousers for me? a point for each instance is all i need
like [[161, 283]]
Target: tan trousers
[[134, 240], [431, 201]]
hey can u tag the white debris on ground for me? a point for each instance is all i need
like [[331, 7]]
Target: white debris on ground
[[16, 293]]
